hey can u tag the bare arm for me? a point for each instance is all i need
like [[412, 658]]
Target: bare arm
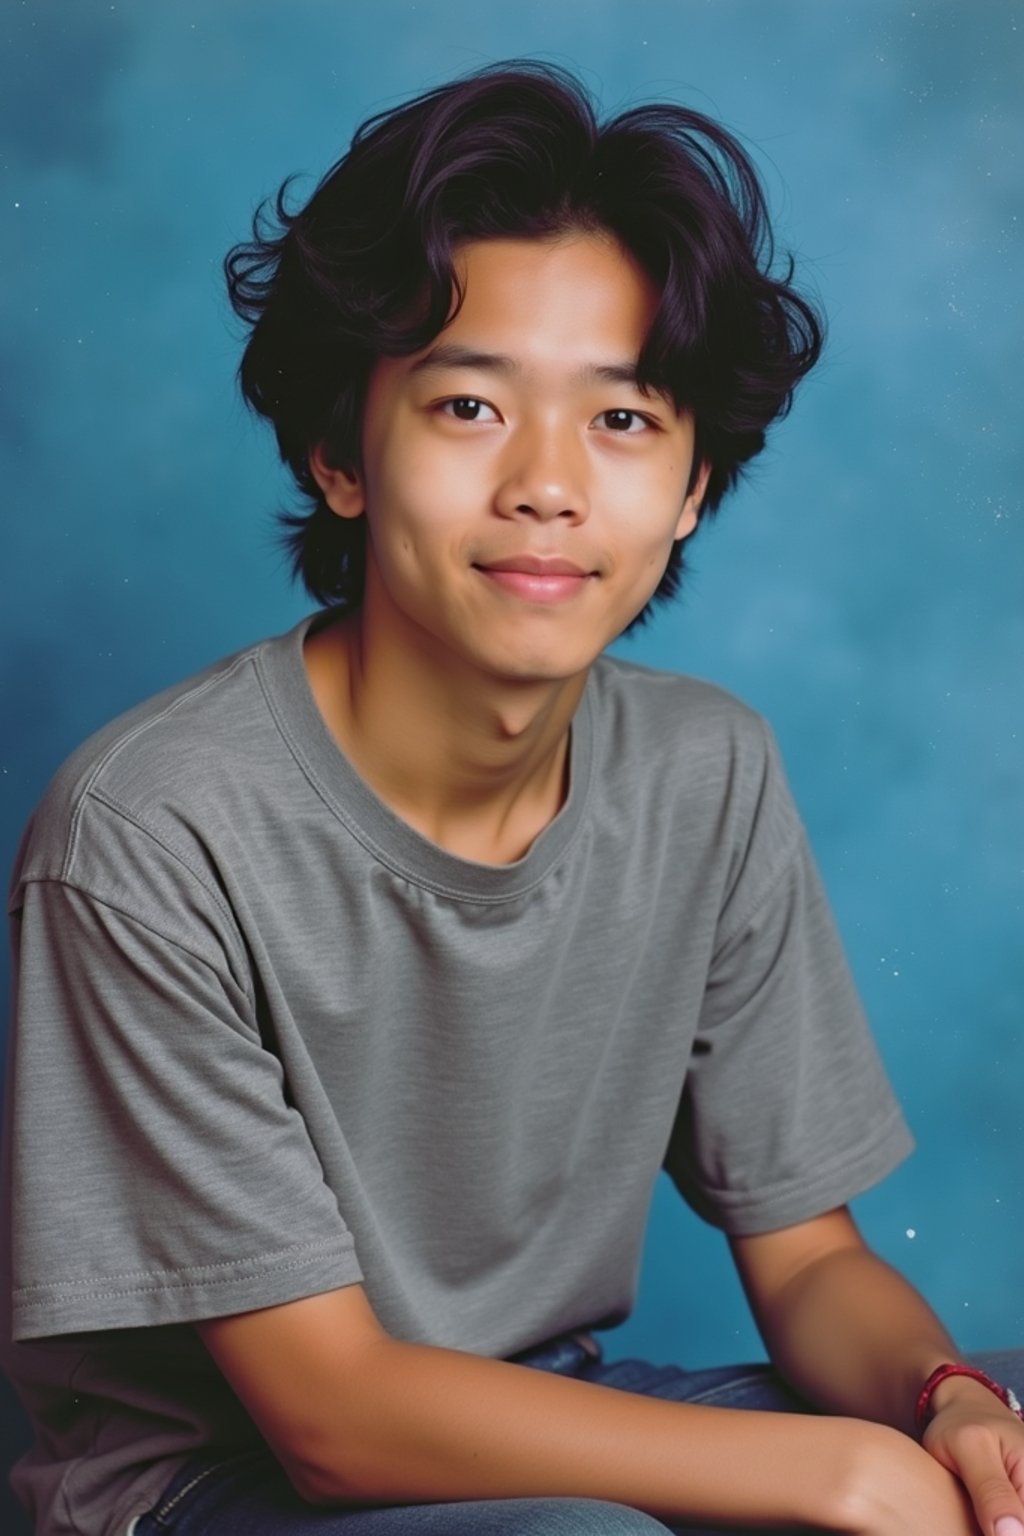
[[856, 1338], [848, 1331], [353, 1414]]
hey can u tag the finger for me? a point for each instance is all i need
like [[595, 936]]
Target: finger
[[998, 1507]]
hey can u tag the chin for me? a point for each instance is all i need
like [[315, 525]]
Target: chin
[[540, 669]]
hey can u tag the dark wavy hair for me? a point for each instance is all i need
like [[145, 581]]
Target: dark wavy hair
[[365, 269]]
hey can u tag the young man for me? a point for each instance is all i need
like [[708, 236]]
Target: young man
[[366, 982]]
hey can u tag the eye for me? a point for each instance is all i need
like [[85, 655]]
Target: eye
[[467, 408], [626, 423]]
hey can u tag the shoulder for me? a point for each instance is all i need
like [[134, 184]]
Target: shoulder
[[693, 769], [652, 716], [148, 771]]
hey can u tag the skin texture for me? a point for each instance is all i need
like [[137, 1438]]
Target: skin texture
[[553, 459], [354, 1415], [500, 449]]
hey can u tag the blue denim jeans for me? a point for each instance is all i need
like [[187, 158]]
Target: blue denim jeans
[[249, 1495]]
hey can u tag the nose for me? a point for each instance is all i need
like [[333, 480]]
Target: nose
[[544, 475]]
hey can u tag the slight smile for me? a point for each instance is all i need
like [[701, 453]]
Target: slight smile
[[535, 578]]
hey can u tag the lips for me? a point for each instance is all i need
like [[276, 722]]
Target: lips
[[534, 579], [534, 565]]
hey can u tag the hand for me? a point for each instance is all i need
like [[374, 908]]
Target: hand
[[974, 1436]]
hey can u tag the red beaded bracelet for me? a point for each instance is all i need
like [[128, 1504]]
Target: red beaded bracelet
[[1004, 1394]]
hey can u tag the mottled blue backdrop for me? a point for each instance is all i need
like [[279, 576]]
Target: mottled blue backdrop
[[864, 588]]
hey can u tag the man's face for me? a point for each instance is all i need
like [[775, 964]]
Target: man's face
[[522, 493]]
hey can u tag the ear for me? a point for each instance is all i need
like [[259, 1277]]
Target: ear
[[691, 506], [342, 488]]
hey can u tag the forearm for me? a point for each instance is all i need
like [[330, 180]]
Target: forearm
[[854, 1337], [355, 1415], [439, 1425]]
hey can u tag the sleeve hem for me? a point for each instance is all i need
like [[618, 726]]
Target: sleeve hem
[[148, 1299], [748, 1213]]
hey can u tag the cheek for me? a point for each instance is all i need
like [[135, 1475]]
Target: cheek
[[418, 478], [647, 489], [646, 530], [647, 543], [413, 539]]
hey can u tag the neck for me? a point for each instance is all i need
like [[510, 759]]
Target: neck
[[479, 765]]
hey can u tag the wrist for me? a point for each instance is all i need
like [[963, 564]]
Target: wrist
[[959, 1389], [955, 1384], [857, 1471]]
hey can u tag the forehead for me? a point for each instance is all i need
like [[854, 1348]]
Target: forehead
[[579, 298]]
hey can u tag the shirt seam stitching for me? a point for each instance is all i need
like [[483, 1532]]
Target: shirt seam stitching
[[878, 1139], [204, 1274], [134, 819], [791, 849], [787, 860], [139, 922], [128, 737]]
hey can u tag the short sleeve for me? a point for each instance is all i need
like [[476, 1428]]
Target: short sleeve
[[159, 1173], [786, 1110]]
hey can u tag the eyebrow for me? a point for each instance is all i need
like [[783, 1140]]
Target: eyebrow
[[449, 355]]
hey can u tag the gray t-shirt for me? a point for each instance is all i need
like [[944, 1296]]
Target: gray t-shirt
[[269, 1041]]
